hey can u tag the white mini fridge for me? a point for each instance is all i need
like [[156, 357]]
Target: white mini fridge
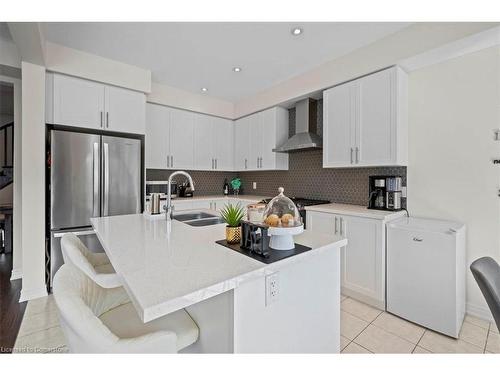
[[426, 273]]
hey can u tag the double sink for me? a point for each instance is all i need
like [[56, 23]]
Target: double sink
[[198, 219]]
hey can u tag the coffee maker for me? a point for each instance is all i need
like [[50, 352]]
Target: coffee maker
[[385, 193]]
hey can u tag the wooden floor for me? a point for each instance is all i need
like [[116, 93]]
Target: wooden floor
[[11, 311]]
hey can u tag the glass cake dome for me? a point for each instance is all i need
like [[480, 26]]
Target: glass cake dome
[[282, 212]]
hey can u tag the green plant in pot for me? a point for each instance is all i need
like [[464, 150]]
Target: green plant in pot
[[232, 214]]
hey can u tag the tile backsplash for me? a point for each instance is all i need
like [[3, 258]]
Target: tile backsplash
[[305, 177], [308, 179], [205, 182]]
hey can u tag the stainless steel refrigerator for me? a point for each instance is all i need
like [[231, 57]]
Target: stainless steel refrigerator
[[91, 175]]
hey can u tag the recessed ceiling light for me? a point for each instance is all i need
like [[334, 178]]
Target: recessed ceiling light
[[236, 69], [296, 31], [204, 89]]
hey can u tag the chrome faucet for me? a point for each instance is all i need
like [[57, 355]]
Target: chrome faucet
[[169, 210]]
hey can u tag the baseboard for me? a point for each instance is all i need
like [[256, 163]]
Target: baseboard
[[479, 312], [16, 274], [362, 298], [30, 294]]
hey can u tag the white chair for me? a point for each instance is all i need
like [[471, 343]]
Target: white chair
[[100, 320], [95, 265]]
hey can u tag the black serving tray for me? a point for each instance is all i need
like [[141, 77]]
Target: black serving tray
[[274, 255]]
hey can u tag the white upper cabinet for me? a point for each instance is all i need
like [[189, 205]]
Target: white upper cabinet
[[181, 139], [338, 133], [241, 144], [82, 103], [223, 144], [203, 143], [255, 138], [365, 121], [186, 140], [74, 101], [178, 139], [213, 143], [125, 110], [157, 136]]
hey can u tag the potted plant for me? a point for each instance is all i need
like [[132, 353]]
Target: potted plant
[[232, 214]]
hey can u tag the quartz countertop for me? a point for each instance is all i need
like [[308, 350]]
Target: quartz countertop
[[356, 210], [166, 266]]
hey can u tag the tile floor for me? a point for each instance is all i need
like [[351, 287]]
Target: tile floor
[[364, 329]]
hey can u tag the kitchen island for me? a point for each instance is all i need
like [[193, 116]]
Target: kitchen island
[[167, 266]]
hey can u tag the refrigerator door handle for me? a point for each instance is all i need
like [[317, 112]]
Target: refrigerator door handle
[[95, 187], [106, 180]]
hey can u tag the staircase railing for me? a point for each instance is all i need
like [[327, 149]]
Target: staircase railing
[[7, 154]]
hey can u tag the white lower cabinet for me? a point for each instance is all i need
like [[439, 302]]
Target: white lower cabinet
[[362, 259]]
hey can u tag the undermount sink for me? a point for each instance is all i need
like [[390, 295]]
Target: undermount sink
[[198, 219], [193, 216], [205, 222]]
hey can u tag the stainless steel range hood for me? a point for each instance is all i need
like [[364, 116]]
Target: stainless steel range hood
[[306, 129]]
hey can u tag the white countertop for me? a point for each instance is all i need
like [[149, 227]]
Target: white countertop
[[355, 210], [169, 266]]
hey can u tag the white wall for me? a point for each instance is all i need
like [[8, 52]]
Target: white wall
[[33, 181], [77, 63], [453, 108], [174, 97], [9, 54]]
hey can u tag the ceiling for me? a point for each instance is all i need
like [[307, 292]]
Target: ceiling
[[195, 55]]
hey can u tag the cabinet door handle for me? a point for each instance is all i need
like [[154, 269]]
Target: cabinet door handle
[[101, 117], [335, 232], [212, 163], [107, 119], [168, 161], [215, 163], [351, 155], [341, 226], [357, 155], [171, 160], [246, 164]]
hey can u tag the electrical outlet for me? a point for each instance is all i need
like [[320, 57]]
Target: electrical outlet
[[272, 288], [403, 192], [254, 185]]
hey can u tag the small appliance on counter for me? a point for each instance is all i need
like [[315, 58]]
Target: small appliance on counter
[[254, 238], [185, 190], [385, 193], [225, 189], [160, 187]]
